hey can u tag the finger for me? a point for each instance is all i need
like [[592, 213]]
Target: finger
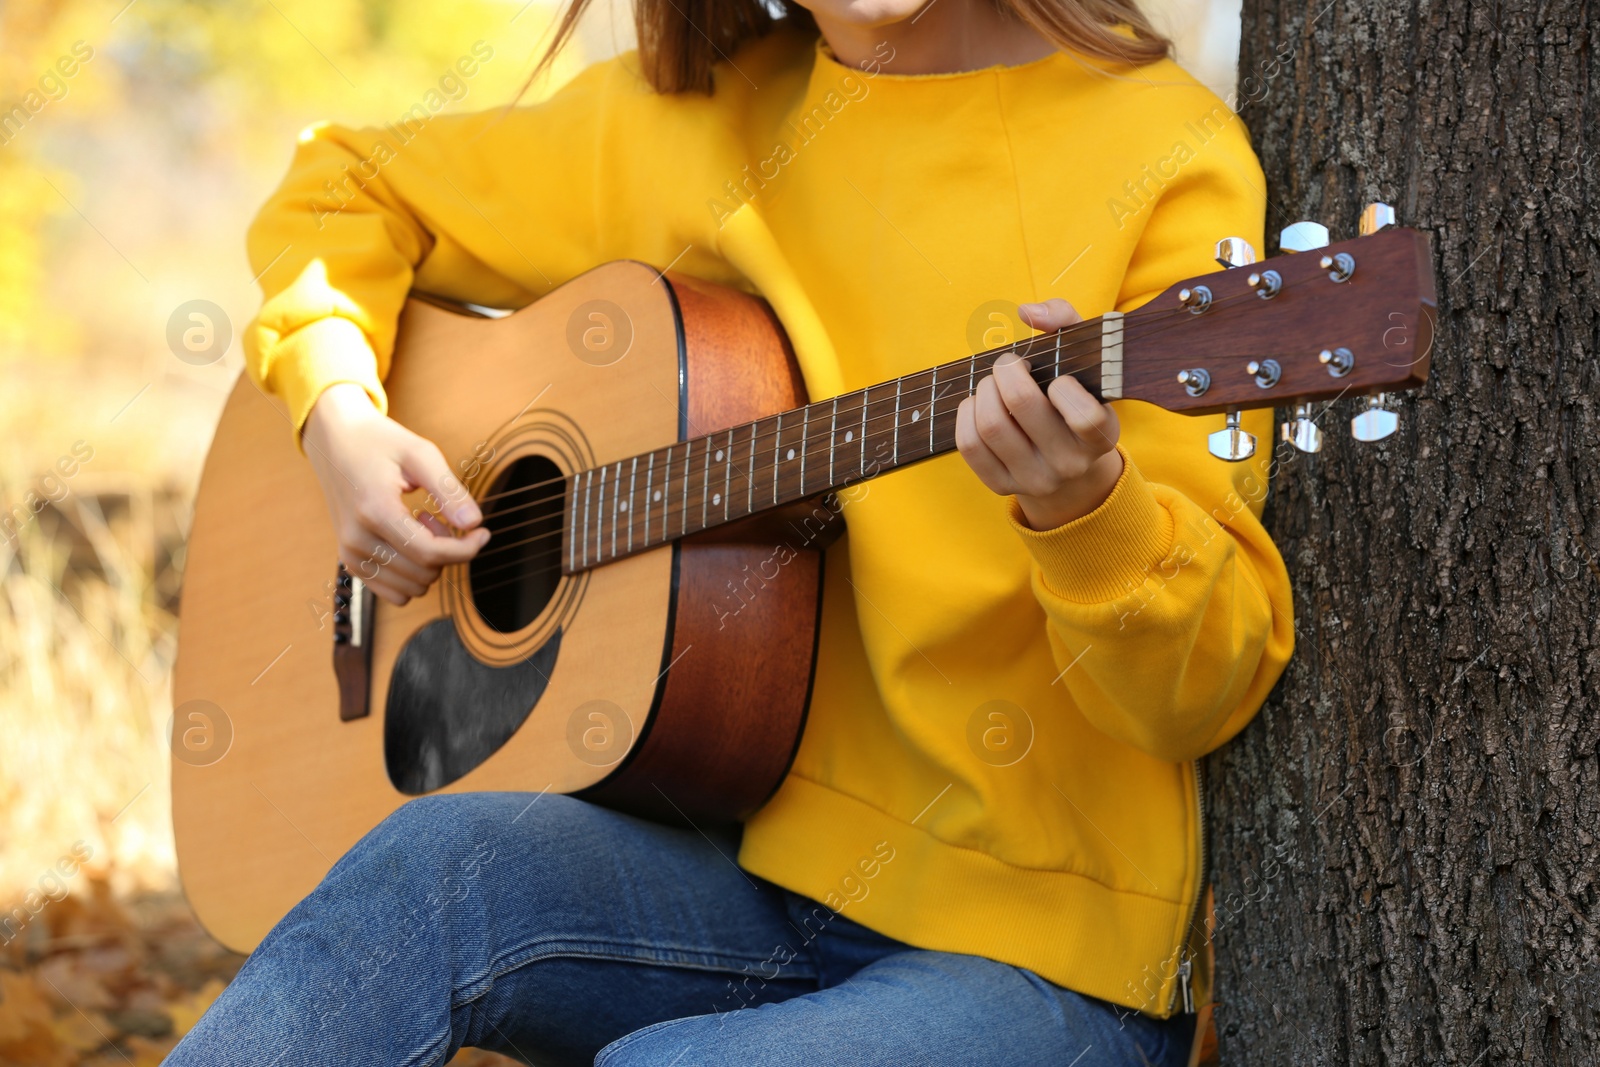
[[1032, 410], [383, 564], [384, 577], [1053, 314], [984, 463], [388, 595], [419, 543], [425, 468], [998, 430], [1094, 424], [388, 592], [365, 549], [431, 521]]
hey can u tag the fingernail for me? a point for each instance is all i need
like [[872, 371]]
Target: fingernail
[[466, 515], [483, 538], [1031, 309]]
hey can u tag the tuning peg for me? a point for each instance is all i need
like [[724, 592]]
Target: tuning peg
[[1235, 252], [1231, 442], [1376, 422], [1375, 216], [1301, 430], [1303, 237]]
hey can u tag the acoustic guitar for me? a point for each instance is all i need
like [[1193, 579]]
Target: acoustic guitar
[[646, 458]]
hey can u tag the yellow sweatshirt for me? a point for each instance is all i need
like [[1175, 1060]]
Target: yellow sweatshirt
[[999, 755]]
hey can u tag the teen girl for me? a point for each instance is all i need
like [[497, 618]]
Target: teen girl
[[888, 174]]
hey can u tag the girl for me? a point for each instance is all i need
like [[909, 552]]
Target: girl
[[989, 848]]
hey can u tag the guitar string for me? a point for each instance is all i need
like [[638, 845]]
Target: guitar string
[[1156, 324], [1077, 327], [674, 510], [1090, 326]]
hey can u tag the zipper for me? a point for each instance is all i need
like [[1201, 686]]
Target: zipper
[[1185, 962]]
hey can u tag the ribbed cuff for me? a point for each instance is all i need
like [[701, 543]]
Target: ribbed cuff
[[1104, 554], [323, 353]]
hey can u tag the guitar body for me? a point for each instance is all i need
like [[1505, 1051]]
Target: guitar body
[[672, 683]]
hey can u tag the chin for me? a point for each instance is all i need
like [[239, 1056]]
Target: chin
[[865, 13]]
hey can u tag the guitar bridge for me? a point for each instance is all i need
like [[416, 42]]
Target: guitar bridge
[[352, 645]]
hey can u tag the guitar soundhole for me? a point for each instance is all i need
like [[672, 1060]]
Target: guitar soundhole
[[516, 575]]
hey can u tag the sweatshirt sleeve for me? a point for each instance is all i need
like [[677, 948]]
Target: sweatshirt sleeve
[[1168, 607], [494, 208]]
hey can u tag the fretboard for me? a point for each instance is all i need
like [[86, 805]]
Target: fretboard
[[647, 500]]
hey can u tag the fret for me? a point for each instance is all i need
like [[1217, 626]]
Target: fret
[[805, 424], [972, 372], [750, 471], [777, 441], [588, 483], [633, 473], [572, 525], [684, 517], [942, 431], [933, 406], [866, 402], [649, 480], [833, 428], [616, 499], [1057, 373], [705, 481], [600, 506], [898, 384], [726, 457], [664, 494]]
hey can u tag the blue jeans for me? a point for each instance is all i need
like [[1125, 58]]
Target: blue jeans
[[558, 932]]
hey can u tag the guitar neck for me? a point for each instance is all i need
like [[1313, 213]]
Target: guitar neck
[[644, 501]]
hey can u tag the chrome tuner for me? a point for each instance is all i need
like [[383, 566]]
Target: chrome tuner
[[1235, 252], [1195, 380], [1376, 216], [1301, 430], [1376, 422], [1267, 283], [1339, 266], [1339, 361], [1231, 442], [1303, 237], [1267, 372], [1196, 299]]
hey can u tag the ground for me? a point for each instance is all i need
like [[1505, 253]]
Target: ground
[[94, 981]]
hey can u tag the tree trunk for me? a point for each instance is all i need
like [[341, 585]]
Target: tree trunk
[[1405, 852]]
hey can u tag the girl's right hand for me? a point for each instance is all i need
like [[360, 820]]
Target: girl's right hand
[[365, 462]]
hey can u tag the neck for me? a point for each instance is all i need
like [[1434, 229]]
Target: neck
[[644, 501], [944, 37]]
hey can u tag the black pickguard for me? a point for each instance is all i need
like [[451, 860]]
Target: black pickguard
[[447, 712]]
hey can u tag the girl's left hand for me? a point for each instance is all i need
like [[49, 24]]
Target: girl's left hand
[[1055, 449]]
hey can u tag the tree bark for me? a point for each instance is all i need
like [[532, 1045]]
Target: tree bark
[[1405, 852]]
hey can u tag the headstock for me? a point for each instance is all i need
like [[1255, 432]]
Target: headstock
[[1354, 318]]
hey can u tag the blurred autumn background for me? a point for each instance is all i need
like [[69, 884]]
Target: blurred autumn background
[[136, 140]]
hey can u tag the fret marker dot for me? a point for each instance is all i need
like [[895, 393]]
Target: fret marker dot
[[849, 435], [658, 494], [622, 506], [716, 498], [916, 413], [789, 454], [719, 455]]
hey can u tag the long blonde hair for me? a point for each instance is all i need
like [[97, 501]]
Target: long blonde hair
[[681, 40]]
